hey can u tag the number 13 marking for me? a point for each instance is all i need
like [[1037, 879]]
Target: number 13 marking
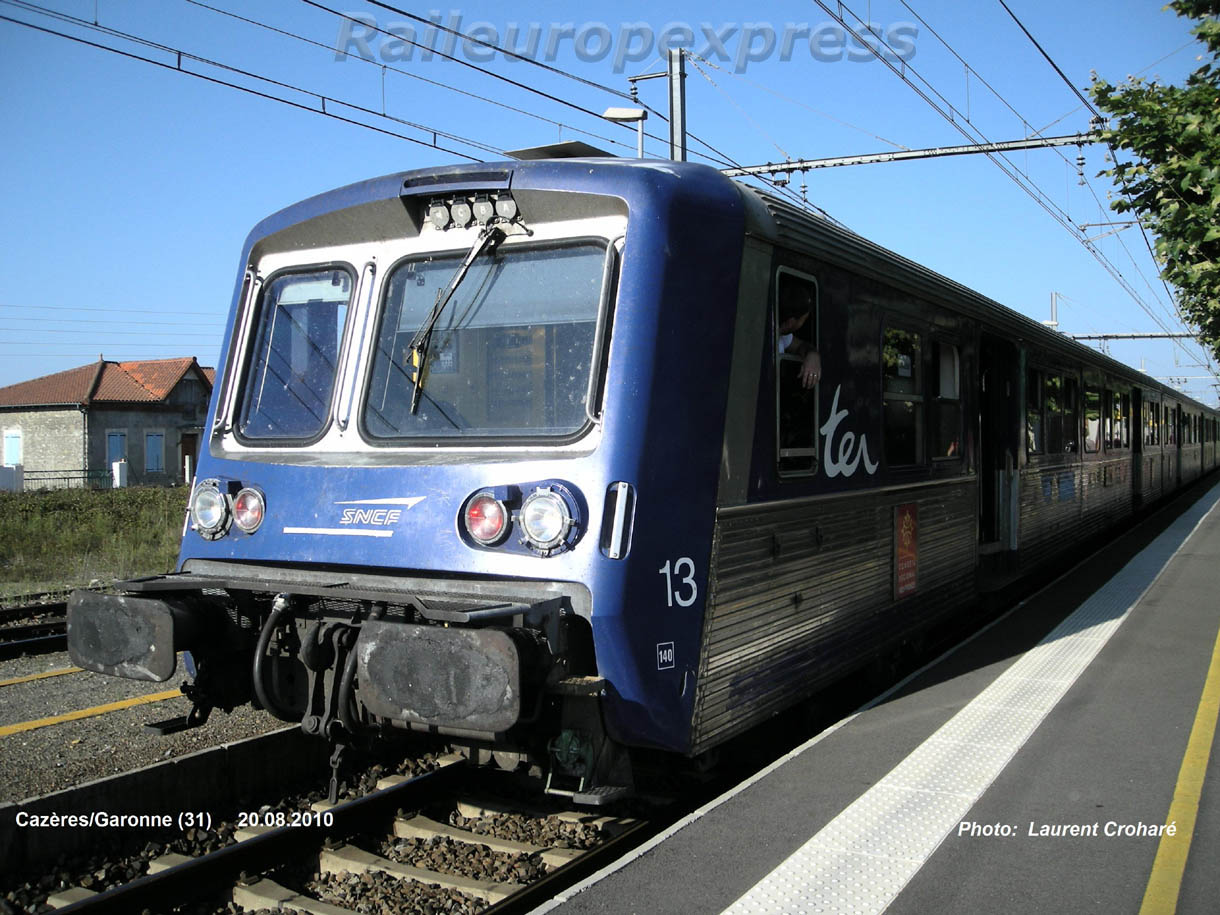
[[672, 595]]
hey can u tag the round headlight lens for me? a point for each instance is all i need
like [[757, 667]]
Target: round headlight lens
[[544, 519], [209, 510], [248, 510], [486, 519]]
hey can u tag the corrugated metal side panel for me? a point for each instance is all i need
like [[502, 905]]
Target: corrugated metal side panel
[[1152, 485], [1192, 463], [1050, 506], [802, 593], [1108, 495], [1060, 505]]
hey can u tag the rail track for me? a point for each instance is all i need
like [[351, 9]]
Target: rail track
[[33, 629], [448, 840]]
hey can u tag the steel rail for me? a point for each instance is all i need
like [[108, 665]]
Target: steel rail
[[209, 873]]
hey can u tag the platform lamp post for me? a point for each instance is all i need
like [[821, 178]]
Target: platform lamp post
[[627, 116]]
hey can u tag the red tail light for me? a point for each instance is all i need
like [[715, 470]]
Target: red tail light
[[486, 519]]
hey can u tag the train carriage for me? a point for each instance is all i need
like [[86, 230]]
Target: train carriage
[[527, 454]]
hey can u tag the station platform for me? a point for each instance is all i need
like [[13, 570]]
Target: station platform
[[1035, 768]]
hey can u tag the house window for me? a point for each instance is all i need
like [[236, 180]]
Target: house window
[[116, 447], [902, 390], [154, 452], [12, 446], [796, 396]]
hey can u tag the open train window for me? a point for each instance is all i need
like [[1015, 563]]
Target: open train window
[[903, 395], [1035, 442], [1050, 400], [948, 420], [1152, 423], [1092, 420], [798, 370]]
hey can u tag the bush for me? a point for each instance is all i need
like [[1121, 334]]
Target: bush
[[68, 537]]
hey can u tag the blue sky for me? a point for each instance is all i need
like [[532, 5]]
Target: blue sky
[[128, 188]]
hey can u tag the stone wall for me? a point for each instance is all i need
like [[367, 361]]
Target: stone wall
[[51, 439]]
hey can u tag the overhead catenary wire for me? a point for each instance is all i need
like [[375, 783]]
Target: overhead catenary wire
[[505, 51], [970, 70], [465, 63], [448, 87], [694, 59], [140, 311], [794, 101], [177, 68], [1092, 108], [1000, 161]]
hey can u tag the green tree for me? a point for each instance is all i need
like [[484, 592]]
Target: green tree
[[1171, 183]]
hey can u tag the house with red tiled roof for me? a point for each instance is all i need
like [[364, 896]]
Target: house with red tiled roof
[[67, 429]]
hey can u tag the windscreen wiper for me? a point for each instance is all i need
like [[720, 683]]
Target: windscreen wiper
[[422, 341]]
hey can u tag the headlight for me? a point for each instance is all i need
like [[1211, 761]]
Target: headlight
[[209, 510], [248, 510], [545, 519]]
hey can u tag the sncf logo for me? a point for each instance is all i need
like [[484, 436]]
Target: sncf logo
[[373, 516]]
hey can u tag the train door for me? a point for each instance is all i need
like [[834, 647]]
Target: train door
[[1176, 470], [999, 412], [1137, 445]]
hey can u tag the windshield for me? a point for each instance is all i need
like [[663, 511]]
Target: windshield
[[298, 336], [510, 356]]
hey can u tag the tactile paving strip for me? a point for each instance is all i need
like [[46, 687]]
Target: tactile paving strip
[[863, 858]]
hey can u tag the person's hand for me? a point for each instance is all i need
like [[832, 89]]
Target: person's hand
[[811, 369]]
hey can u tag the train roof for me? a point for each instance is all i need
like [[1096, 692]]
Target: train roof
[[767, 216]]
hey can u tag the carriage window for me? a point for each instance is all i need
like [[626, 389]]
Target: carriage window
[[1071, 410], [1034, 443], [1149, 412], [1125, 416], [511, 355], [948, 442], [298, 335], [1055, 408], [1092, 420], [797, 370], [902, 390]]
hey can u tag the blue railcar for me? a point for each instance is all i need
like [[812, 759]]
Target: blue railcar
[[527, 454]]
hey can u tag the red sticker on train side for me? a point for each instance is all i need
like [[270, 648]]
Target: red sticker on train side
[[906, 549]]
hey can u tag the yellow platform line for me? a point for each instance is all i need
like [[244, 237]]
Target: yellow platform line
[[10, 729], [42, 676], [1165, 882]]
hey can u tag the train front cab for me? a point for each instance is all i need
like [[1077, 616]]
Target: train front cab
[[377, 591]]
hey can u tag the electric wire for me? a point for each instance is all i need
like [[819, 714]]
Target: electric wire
[[694, 59], [505, 51], [139, 311], [794, 101], [1122, 179], [716, 156], [1059, 152], [486, 72], [178, 68], [1000, 161], [407, 73]]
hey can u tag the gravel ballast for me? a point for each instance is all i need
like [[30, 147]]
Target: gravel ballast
[[59, 756]]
